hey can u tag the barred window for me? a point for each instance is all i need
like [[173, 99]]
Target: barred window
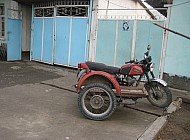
[[78, 11], [62, 2], [76, 8], [2, 21], [44, 12]]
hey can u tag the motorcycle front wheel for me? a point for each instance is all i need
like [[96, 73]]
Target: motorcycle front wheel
[[97, 101], [159, 95]]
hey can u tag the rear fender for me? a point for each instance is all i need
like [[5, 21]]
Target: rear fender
[[83, 66], [107, 76], [80, 74]]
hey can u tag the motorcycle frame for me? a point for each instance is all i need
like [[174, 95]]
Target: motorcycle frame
[[110, 78]]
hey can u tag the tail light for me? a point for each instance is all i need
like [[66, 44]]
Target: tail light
[[83, 66], [79, 65]]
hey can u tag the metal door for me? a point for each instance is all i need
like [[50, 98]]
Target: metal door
[[114, 41], [115, 37], [71, 34], [60, 32], [14, 35], [48, 39], [148, 34], [79, 41], [63, 27], [43, 35], [36, 49]]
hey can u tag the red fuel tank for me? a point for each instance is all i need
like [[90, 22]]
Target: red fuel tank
[[131, 69]]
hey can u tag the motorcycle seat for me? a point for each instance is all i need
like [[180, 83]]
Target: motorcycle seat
[[102, 67]]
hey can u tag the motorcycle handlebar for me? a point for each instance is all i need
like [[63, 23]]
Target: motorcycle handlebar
[[131, 61], [146, 59]]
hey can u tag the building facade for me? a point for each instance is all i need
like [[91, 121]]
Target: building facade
[[67, 32], [177, 66]]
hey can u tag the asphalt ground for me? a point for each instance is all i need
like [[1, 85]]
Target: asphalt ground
[[18, 73], [37, 101]]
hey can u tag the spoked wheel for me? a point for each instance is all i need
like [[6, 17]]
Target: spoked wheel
[[159, 95], [97, 101]]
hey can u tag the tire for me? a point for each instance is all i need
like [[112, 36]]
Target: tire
[[97, 105], [163, 95]]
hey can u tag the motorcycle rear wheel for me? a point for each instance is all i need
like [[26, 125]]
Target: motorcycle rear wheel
[[97, 101], [161, 97]]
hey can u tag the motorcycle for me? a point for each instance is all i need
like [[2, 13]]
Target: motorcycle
[[101, 88]]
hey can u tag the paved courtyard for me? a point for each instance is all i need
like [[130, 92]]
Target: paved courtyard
[[37, 102]]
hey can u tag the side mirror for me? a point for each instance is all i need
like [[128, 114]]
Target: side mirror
[[148, 48]]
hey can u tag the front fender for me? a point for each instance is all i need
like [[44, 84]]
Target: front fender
[[162, 82], [111, 78]]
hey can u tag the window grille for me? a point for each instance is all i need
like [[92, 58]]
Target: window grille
[[44, 12], [79, 11], [48, 12], [78, 8], [62, 2], [15, 11], [39, 12], [2, 21]]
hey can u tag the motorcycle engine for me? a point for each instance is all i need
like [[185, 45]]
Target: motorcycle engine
[[125, 80]]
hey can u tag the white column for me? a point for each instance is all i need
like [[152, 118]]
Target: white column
[[93, 33], [116, 43], [134, 39], [164, 43]]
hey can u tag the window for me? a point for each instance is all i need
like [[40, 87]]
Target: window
[[2, 21]]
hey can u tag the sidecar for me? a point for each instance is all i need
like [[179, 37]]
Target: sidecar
[[91, 72]]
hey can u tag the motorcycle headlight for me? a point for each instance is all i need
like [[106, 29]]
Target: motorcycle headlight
[[152, 67]]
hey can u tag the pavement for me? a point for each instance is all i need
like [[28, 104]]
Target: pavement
[[37, 101]]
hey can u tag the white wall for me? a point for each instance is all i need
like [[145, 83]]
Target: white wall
[[121, 14]]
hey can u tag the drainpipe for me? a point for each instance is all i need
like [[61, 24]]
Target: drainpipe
[[107, 8], [32, 34], [165, 40], [89, 31]]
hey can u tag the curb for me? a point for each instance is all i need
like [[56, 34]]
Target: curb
[[154, 129], [152, 132]]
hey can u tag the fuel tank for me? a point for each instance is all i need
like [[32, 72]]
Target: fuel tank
[[131, 70]]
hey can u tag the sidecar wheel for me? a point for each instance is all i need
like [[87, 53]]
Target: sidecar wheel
[[97, 101]]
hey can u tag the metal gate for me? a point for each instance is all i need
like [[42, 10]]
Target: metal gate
[[119, 41], [71, 34], [114, 43], [60, 32], [43, 36], [14, 35]]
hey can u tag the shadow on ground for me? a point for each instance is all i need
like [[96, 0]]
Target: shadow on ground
[[18, 73]]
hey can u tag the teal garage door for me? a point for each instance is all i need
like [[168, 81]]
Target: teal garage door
[[60, 32]]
